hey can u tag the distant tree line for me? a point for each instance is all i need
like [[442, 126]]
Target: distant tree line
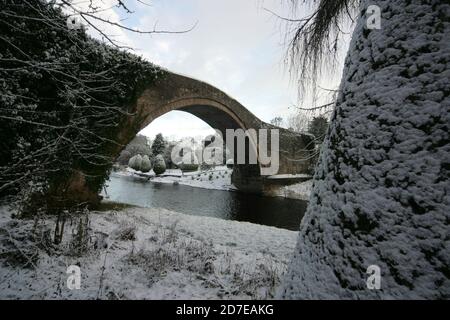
[[141, 147]]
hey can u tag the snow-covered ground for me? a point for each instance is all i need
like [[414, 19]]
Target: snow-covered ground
[[142, 253], [300, 191], [219, 178]]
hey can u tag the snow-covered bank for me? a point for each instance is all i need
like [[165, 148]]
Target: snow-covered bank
[[141, 253], [219, 178], [300, 191]]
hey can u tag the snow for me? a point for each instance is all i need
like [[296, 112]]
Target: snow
[[173, 256], [381, 190], [221, 180], [220, 177], [299, 191], [289, 176]]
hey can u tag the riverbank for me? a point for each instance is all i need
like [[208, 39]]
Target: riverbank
[[297, 191], [218, 178], [143, 253]]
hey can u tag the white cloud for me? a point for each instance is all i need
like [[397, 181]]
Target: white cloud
[[235, 46], [105, 10]]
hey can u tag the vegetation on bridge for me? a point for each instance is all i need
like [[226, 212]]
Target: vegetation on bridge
[[63, 100]]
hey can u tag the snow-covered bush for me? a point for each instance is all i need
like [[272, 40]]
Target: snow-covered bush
[[159, 145], [146, 164], [188, 166], [135, 162], [204, 166], [124, 157], [74, 67], [189, 162], [380, 190], [160, 165], [139, 145], [131, 162]]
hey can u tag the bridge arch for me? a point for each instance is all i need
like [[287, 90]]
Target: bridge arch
[[215, 114], [213, 106], [220, 111], [177, 92]]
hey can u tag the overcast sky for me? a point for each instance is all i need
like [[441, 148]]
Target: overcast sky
[[236, 46]]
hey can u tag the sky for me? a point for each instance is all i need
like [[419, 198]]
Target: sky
[[235, 45]]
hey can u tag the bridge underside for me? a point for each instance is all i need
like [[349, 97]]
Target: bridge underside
[[215, 118], [247, 177]]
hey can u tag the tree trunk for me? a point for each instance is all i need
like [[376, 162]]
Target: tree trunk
[[381, 192]]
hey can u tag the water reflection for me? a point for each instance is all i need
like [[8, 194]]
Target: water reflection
[[277, 212]]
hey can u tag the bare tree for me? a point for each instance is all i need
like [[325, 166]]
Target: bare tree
[[92, 15], [64, 96], [277, 121]]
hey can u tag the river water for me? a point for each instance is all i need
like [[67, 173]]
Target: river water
[[277, 212]]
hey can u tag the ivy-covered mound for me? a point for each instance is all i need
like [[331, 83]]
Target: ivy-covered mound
[[63, 98]]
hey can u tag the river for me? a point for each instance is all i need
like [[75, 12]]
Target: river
[[277, 212]]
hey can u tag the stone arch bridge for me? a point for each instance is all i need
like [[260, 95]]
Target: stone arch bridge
[[220, 111]]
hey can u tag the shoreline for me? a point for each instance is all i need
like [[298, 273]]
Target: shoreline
[[296, 191]]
